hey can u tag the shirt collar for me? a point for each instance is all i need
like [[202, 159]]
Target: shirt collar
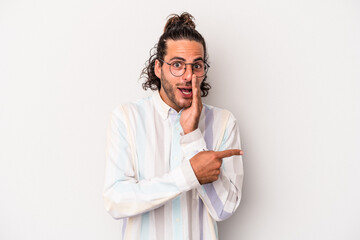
[[161, 106]]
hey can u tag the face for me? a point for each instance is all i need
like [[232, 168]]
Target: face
[[176, 91]]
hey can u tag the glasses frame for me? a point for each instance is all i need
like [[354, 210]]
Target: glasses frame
[[206, 66]]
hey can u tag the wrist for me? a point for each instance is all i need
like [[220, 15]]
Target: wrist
[[190, 129], [186, 131]]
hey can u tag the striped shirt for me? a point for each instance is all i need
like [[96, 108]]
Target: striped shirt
[[150, 185]]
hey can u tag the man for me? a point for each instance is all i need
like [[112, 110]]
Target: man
[[173, 164]]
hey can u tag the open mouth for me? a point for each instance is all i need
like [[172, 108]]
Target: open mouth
[[186, 91]]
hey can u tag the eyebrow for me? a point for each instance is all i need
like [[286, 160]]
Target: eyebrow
[[183, 59]]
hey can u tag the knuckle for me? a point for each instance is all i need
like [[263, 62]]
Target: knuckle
[[218, 164]]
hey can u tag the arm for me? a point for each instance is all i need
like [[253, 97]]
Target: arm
[[124, 195], [222, 197]]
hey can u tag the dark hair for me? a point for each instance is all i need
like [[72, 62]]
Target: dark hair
[[176, 28]]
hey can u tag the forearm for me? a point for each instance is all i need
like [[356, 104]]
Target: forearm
[[128, 197]]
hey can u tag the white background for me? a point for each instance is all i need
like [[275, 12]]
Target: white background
[[288, 70]]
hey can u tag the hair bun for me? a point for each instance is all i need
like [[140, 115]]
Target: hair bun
[[176, 21]]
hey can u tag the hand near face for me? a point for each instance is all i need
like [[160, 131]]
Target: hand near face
[[190, 116], [206, 164]]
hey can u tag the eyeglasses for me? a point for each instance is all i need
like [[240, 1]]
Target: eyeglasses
[[178, 68]]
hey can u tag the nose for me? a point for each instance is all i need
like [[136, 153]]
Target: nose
[[187, 76]]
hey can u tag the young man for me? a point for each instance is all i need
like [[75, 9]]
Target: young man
[[173, 164]]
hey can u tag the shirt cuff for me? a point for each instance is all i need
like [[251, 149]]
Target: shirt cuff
[[192, 143], [185, 177]]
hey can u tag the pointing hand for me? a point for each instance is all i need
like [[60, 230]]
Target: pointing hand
[[206, 164]]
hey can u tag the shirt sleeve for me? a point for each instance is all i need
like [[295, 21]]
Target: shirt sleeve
[[192, 143], [124, 195], [222, 197]]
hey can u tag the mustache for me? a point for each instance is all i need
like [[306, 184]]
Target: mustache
[[188, 84]]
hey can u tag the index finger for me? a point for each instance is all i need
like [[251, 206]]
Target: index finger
[[195, 82], [229, 153]]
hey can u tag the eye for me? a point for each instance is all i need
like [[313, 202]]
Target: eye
[[177, 64], [198, 66]]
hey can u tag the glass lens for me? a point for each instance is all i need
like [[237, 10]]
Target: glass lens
[[199, 68], [177, 68]]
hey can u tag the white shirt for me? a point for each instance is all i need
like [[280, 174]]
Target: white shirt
[[149, 183]]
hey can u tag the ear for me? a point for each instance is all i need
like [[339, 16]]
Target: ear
[[157, 68]]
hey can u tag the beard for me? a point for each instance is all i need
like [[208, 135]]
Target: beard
[[170, 92]]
